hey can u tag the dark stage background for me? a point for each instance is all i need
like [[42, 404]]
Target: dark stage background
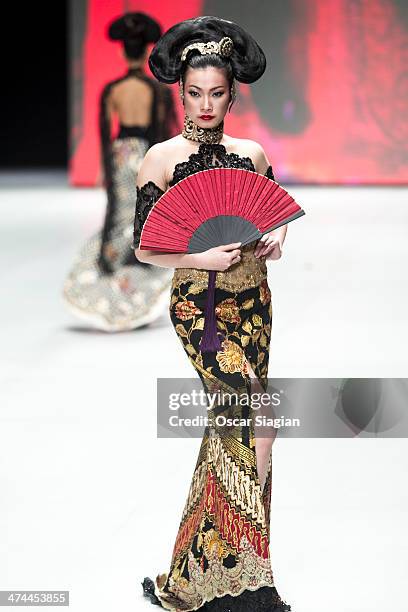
[[34, 86]]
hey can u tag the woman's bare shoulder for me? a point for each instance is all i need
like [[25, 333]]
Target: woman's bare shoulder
[[161, 158], [169, 146], [246, 147]]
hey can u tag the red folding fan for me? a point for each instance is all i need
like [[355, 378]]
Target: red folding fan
[[214, 207]]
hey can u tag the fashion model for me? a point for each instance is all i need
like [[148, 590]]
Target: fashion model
[[221, 558], [107, 286]]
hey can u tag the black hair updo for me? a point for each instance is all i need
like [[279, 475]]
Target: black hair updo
[[135, 30], [196, 60], [246, 63]]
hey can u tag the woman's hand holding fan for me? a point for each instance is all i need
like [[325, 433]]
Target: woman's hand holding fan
[[214, 208], [219, 258], [270, 246]]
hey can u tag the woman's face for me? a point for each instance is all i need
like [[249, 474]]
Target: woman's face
[[206, 93]]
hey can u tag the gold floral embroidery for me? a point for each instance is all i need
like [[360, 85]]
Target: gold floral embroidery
[[256, 320], [248, 273], [190, 349], [186, 310], [181, 331], [246, 326], [211, 531], [247, 305], [231, 358], [263, 341], [214, 547], [228, 310], [199, 324], [264, 292]]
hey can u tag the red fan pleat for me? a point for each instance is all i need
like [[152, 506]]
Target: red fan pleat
[[176, 216], [208, 193]]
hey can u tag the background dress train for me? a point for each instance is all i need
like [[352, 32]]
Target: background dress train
[[221, 557], [107, 285]]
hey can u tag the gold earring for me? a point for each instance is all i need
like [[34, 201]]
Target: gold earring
[[181, 92]]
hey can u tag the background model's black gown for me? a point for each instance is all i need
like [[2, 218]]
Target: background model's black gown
[[107, 285], [221, 559]]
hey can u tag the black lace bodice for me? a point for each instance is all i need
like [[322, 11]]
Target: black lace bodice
[[207, 156], [211, 156], [146, 196]]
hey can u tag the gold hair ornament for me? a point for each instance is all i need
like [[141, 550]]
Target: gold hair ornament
[[224, 47]]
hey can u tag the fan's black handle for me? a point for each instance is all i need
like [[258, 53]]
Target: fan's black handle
[[210, 341]]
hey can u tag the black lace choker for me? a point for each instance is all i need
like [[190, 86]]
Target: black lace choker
[[192, 131]]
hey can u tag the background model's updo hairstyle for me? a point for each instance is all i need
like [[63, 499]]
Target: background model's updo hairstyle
[[247, 61], [135, 30]]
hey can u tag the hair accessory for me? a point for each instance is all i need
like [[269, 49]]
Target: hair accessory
[[181, 87], [224, 47], [207, 34]]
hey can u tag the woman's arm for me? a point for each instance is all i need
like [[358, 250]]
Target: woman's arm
[[168, 260], [151, 183], [269, 244]]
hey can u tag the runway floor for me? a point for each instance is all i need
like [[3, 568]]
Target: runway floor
[[91, 499]]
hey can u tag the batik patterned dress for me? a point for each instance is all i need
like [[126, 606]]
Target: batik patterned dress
[[106, 285], [221, 558]]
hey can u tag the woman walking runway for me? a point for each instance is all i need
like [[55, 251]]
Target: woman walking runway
[[221, 559], [107, 286]]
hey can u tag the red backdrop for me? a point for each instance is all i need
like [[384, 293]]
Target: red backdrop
[[349, 58]]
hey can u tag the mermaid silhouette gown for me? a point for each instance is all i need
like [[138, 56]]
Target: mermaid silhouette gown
[[221, 558], [106, 285]]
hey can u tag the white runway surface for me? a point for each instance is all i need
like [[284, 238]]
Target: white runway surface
[[91, 500]]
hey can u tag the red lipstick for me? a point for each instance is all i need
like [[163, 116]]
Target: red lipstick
[[206, 117]]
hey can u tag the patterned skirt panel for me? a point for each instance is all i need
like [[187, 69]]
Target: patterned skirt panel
[[120, 298], [222, 545]]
